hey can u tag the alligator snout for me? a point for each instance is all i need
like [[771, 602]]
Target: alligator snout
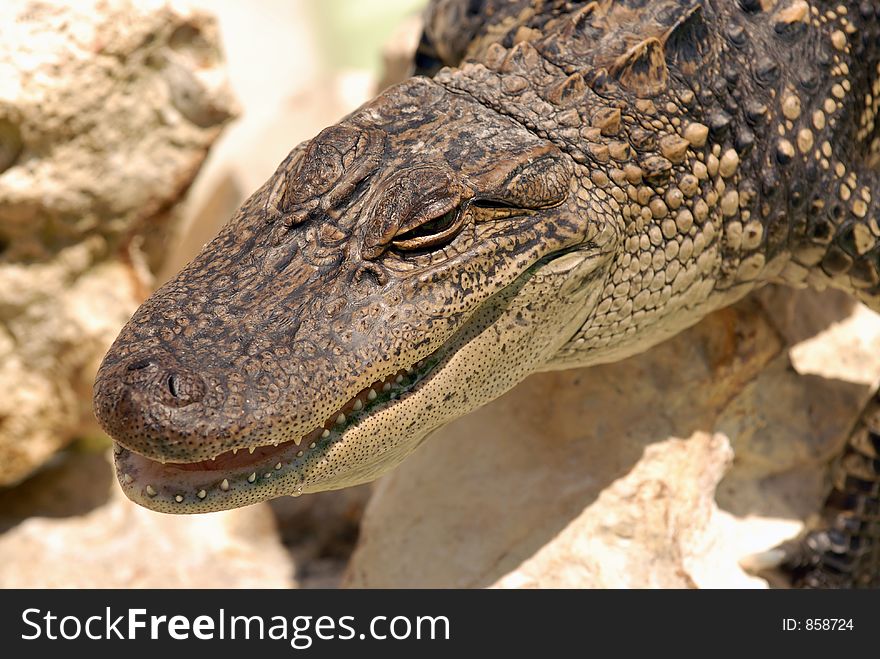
[[152, 400]]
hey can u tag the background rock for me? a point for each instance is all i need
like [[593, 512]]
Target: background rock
[[107, 110], [609, 476], [118, 544]]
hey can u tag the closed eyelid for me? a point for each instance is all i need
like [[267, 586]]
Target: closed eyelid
[[406, 200], [432, 210], [414, 239]]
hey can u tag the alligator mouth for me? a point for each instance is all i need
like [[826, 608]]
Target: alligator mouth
[[212, 484], [249, 475]]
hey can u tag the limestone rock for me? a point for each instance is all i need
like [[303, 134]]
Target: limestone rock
[[107, 110], [118, 544], [659, 471], [607, 544]]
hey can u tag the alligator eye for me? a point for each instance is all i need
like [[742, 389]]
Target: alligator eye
[[437, 231]]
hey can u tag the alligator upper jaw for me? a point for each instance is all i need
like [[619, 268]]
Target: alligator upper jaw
[[219, 483]]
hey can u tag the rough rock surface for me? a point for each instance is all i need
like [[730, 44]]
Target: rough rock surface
[[107, 110], [659, 471], [106, 541]]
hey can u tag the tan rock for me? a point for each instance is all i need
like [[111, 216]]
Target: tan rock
[[118, 544], [606, 545], [107, 110], [609, 476]]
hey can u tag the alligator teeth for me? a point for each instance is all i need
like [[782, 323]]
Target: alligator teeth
[[224, 485], [178, 498], [127, 479], [150, 491], [268, 474], [299, 454], [277, 465], [357, 404], [252, 477], [201, 494]]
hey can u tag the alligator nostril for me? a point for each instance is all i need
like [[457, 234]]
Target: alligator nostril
[[179, 388], [174, 385]]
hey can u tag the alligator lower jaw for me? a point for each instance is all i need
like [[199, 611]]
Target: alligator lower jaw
[[211, 484]]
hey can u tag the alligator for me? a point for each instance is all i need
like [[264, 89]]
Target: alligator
[[560, 184]]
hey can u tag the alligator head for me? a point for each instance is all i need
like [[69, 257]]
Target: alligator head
[[404, 267]]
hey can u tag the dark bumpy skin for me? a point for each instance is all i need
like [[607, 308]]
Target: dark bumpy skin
[[580, 182]]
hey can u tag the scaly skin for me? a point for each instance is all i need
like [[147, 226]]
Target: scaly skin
[[581, 182]]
